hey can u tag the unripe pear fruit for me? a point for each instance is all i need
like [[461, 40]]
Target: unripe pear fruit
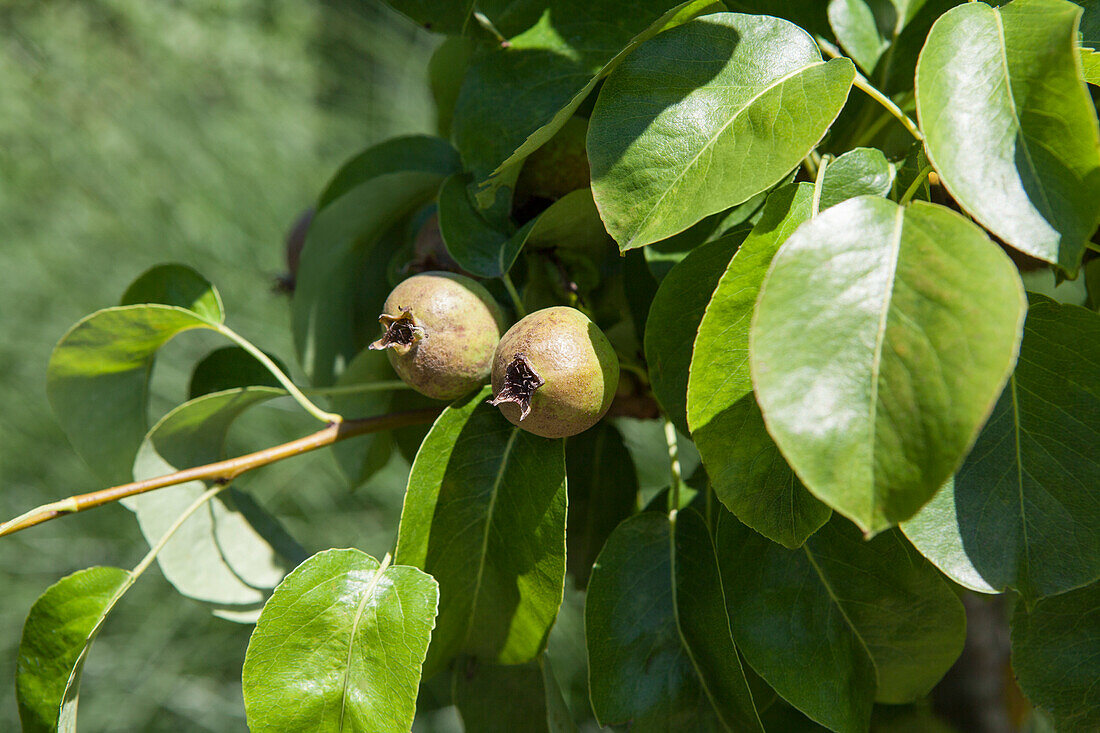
[[554, 373], [441, 330], [559, 166]]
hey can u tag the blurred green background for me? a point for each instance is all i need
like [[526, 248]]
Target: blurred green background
[[133, 133]]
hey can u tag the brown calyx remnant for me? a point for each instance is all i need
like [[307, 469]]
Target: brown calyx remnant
[[520, 382], [402, 332]]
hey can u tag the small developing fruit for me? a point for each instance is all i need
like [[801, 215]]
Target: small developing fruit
[[441, 330], [554, 373]]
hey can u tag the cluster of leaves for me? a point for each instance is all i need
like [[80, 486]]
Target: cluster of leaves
[[863, 409]]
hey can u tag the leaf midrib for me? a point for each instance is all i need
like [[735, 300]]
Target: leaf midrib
[[351, 638], [494, 492], [710, 143]]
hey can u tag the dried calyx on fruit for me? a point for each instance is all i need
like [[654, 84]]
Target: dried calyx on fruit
[[554, 373], [441, 330]]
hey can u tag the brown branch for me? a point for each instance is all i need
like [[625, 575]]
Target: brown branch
[[223, 471]]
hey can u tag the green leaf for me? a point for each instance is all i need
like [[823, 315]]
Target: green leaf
[[421, 153], [505, 698], [176, 285], [1056, 656], [231, 367], [60, 627], [98, 376], [1030, 170], [481, 247], [562, 51], [746, 470], [485, 515], [339, 647], [571, 222], [673, 666], [446, 70], [673, 319], [881, 340], [839, 623], [859, 172], [863, 34], [1022, 511], [809, 14], [232, 553], [341, 286], [603, 491], [704, 117], [1090, 65], [359, 458]]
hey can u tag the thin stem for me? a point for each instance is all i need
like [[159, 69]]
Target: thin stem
[[289, 386], [517, 302], [861, 82], [635, 370], [819, 183], [381, 386], [222, 472], [674, 464], [915, 185], [1092, 246]]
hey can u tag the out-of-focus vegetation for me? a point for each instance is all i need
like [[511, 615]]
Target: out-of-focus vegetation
[[135, 132]]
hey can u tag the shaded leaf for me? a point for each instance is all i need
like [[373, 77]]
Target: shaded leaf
[[97, 381], [561, 50], [446, 70], [411, 153], [481, 247], [485, 515], [434, 15], [225, 554], [674, 318], [881, 339], [571, 222], [231, 367], [360, 457], [673, 666], [505, 698], [746, 470], [339, 647], [341, 286], [1056, 656], [839, 623], [61, 625], [705, 116], [1030, 171], [603, 490], [1022, 511]]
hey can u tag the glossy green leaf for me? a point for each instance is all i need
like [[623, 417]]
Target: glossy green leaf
[[231, 367], [704, 117], [561, 50], [859, 172], [673, 319], [603, 491], [863, 34], [1022, 510], [232, 553], [840, 622], [481, 247], [648, 672], [1009, 126], [339, 647], [176, 285], [808, 14], [881, 340], [341, 287], [1056, 656], [411, 153], [494, 698], [746, 470], [61, 625], [485, 515], [98, 376]]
